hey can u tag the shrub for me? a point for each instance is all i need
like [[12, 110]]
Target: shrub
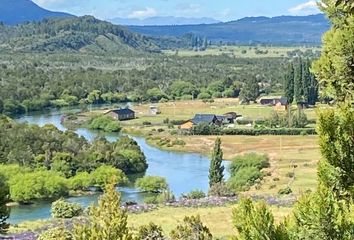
[[192, 228], [105, 123], [195, 194], [244, 178], [285, 191], [146, 123], [220, 190], [103, 175], [204, 95], [249, 160], [165, 197], [206, 129], [268, 131], [64, 209], [150, 232], [81, 181], [290, 175], [152, 184], [59, 233]]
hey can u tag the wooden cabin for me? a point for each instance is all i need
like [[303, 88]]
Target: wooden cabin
[[122, 114]]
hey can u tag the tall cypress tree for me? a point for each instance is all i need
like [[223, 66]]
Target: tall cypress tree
[[298, 89], [216, 171], [289, 83], [306, 80]]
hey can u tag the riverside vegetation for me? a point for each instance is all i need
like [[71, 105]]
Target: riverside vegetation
[[326, 213]]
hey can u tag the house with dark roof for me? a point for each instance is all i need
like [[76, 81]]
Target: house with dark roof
[[122, 114], [274, 101], [202, 119]]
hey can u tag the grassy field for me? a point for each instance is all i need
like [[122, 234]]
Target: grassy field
[[217, 219], [241, 51]]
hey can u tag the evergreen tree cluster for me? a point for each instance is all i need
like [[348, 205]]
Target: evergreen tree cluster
[[300, 85], [199, 43]]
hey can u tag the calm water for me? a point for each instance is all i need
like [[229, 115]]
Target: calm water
[[184, 171]]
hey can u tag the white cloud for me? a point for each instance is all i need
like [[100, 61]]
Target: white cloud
[[143, 13], [306, 8]]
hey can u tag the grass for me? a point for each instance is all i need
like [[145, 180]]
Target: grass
[[217, 219], [239, 51]]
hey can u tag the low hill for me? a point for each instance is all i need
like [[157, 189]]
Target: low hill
[[20, 11], [276, 30], [84, 34]]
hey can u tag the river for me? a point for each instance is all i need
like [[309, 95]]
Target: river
[[184, 171]]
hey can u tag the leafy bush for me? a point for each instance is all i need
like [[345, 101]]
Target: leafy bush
[[190, 229], [105, 123], [152, 184], [221, 190], [81, 181], [103, 175], [195, 194], [59, 233], [146, 123], [206, 129], [244, 178], [150, 232], [249, 160], [64, 209], [285, 191]]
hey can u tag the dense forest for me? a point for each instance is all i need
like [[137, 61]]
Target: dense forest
[[36, 81]]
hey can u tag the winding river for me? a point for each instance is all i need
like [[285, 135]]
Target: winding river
[[184, 171]]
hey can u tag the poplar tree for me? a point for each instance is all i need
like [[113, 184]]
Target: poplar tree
[[289, 83], [298, 86], [216, 171]]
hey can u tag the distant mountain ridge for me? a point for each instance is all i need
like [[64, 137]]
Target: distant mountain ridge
[[275, 30], [163, 20], [80, 34], [18, 11]]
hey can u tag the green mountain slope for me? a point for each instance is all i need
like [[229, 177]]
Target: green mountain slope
[[83, 34]]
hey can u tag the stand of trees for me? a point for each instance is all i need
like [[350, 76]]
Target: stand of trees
[[300, 84]]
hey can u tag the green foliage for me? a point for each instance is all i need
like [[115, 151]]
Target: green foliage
[[216, 169], [105, 123], [290, 120], [4, 210], [256, 222], [190, 229], [150, 232], [289, 83], [58, 233], [25, 187], [321, 216], [64, 209], [152, 184], [248, 160], [250, 90], [285, 191], [336, 129], [81, 181], [195, 194], [103, 175], [221, 190], [205, 129], [106, 220], [246, 170]]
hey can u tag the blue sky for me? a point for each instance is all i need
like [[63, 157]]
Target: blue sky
[[224, 10]]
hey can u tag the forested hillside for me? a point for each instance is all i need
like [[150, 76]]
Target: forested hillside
[[277, 30], [20, 11], [84, 34]]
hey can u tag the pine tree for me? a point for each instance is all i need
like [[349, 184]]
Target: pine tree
[[216, 171], [289, 83], [298, 88], [250, 90], [107, 220]]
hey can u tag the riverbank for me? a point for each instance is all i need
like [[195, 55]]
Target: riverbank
[[168, 215], [295, 156]]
